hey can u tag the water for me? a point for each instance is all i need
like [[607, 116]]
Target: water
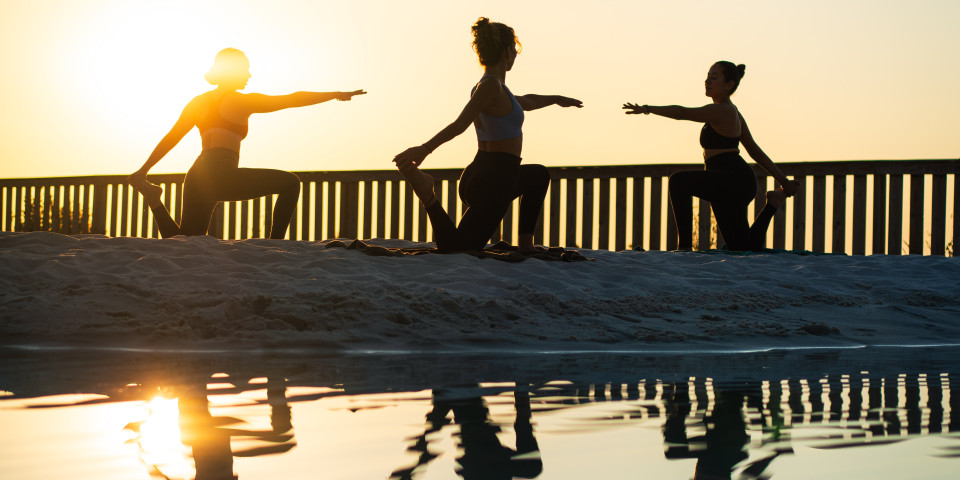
[[863, 413]]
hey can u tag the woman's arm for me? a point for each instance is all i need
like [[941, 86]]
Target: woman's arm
[[484, 96], [758, 155], [710, 113], [532, 101], [260, 103], [180, 129]]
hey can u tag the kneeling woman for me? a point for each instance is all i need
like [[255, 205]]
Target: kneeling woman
[[496, 177], [727, 182], [222, 115]]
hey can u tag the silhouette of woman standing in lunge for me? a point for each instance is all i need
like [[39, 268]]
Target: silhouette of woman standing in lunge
[[727, 182], [496, 177], [221, 116]]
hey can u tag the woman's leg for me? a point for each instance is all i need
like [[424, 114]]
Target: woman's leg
[[682, 187], [444, 230], [732, 223], [151, 194], [758, 231], [488, 186], [234, 184], [198, 204], [532, 189]]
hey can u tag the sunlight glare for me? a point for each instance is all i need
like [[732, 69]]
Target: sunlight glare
[[159, 440]]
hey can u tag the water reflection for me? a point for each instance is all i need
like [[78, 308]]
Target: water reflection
[[200, 420], [484, 456], [211, 440]]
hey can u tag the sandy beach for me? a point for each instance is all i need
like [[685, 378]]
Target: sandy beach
[[204, 293]]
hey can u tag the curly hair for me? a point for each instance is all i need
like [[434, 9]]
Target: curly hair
[[490, 39], [731, 72], [229, 63]]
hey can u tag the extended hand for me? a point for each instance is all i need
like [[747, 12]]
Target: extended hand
[[633, 109], [412, 156], [569, 102], [346, 96]]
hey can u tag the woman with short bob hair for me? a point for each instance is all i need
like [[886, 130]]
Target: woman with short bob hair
[[222, 115]]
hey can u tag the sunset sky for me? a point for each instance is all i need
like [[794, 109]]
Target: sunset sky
[[90, 87]]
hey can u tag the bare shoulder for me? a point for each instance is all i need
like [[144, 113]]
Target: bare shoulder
[[197, 104], [488, 86], [727, 110]]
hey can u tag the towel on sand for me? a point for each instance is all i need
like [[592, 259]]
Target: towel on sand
[[500, 251]]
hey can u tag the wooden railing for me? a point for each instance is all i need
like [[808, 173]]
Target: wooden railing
[[857, 207]]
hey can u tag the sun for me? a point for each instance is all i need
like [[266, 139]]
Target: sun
[[143, 62]]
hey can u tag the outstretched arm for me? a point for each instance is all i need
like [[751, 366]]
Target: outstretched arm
[[711, 113], [758, 155], [260, 103], [532, 101], [482, 98], [180, 129]]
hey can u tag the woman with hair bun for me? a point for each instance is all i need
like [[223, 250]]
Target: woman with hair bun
[[496, 177], [727, 182], [221, 115]]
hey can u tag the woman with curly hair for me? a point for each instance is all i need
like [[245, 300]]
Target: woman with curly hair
[[496, 177]]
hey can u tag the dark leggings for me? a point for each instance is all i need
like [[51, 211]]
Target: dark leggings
[[487, 187], [729, 184], [215, 177]]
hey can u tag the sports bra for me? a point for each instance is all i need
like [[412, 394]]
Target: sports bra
[[711, 140], [500, 127], [214, 119]]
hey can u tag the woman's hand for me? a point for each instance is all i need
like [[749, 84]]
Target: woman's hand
[[791, 187], [346, 96], [412, 156], [569, 102], [634, 109]]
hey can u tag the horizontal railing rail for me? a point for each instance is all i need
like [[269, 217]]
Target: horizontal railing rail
[[856, 207]]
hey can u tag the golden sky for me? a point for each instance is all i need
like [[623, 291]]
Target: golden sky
[[89, 87]]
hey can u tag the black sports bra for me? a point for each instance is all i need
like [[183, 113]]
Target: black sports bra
[[711, 140], [213, 119]]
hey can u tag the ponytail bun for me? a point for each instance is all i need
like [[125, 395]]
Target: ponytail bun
[[731, 72]]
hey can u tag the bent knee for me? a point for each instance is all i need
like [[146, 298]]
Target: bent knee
[[537, 175], [291, 183], [678, 180], [540, 172]]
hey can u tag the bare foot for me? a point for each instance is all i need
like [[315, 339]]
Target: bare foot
[[421, 182], [150, 191], [775, 198]]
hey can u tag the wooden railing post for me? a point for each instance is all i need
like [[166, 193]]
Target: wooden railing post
[[938, 222], [99, 208], [879, 213], [800, 215], [620, 215], [895, 238], [916, 214]]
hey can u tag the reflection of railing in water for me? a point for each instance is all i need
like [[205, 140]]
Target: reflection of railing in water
[[614, 207], [865, 407], [725, 428]]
